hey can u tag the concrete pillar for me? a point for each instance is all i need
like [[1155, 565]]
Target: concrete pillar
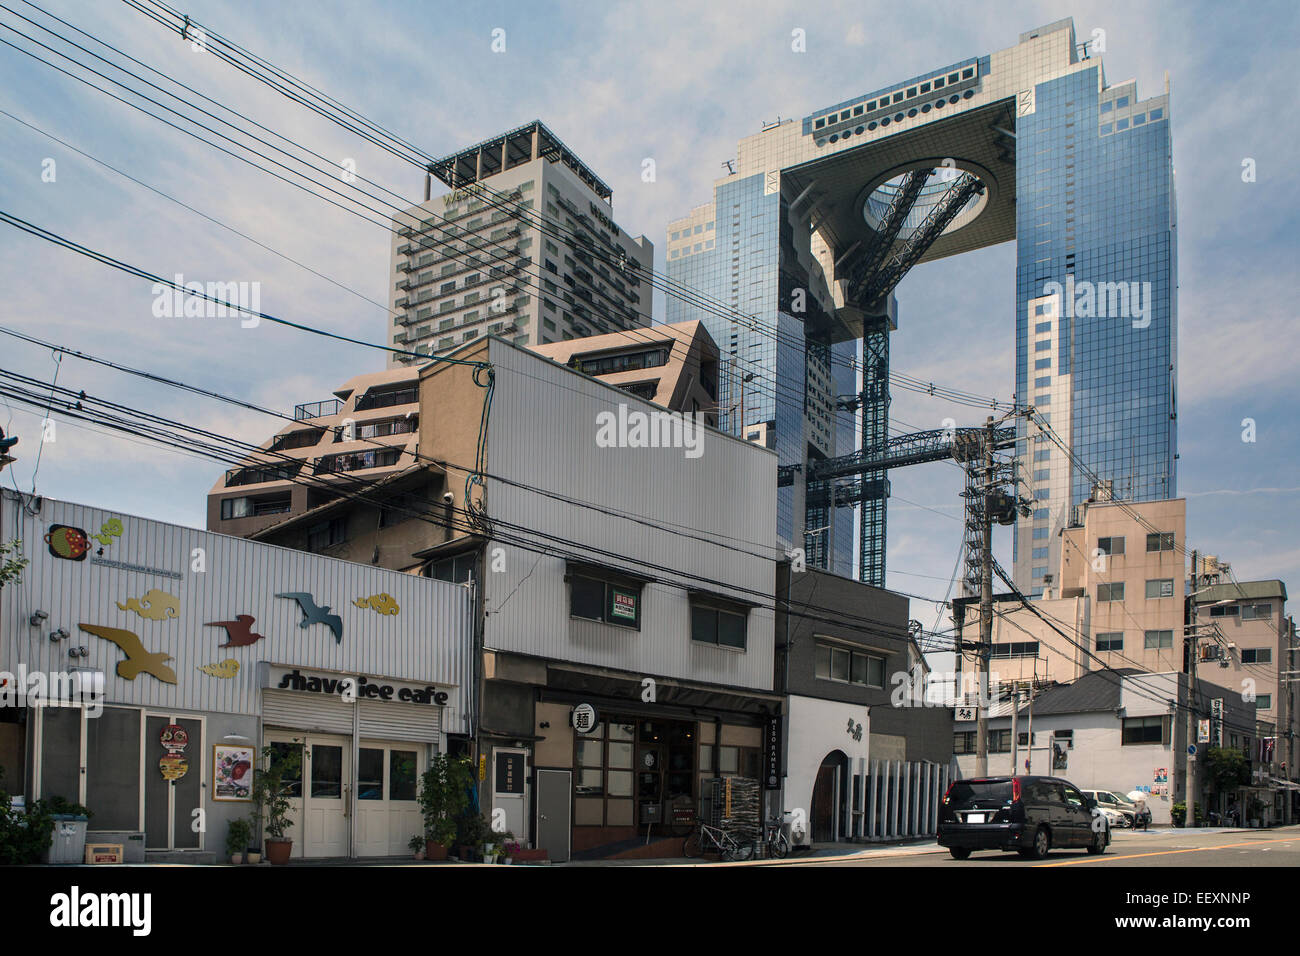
[[873, 795]]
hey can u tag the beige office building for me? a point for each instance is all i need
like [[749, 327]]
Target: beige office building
[[523, 246]]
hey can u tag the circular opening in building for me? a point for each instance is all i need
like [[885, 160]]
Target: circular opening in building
[[871, 125], [858, 131], [898, 117], [968, 94], [954, 98], [943, 178], [885, 121], [911, 112], [925, 108], [939, 105]]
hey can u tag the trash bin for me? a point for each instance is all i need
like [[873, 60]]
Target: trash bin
[[68, 844]]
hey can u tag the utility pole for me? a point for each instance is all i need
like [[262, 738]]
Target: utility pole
[[986, 606], [1190, 819], [1015, 740]]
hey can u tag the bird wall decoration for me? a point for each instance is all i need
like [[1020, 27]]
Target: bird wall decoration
[[239, 632], [315, 614], [138, 660]]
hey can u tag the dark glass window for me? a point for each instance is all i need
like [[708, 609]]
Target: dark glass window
[[587, 598], [401, 774], [370, 774]]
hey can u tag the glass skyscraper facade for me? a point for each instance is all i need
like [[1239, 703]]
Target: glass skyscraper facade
[[1078, 174]]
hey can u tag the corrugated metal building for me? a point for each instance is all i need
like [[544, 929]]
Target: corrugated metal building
[[239, 644], [628, 561]]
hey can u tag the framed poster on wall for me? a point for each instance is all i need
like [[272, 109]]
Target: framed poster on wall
[[232, 772]]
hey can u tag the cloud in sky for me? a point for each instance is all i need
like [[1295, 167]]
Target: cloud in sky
[[679, 82]]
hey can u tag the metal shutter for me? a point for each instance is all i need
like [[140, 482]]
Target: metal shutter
[[389, 721], [306, 712]]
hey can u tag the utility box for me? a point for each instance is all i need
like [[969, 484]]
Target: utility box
[[103, 853], [68, 843]]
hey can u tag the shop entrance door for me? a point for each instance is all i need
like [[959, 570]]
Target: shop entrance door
[[322, 801], [554, 805], [387, 814], [170, 820]]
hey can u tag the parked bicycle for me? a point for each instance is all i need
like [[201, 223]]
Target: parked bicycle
[[775, 840], [732, 847]]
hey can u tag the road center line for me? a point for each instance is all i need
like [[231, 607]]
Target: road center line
[[1133, 856]]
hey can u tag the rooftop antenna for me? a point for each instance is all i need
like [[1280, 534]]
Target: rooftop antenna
[[730, 164]]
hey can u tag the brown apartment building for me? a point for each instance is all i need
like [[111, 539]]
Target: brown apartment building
[[347, 478]]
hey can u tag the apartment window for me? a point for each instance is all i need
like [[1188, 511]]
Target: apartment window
[[1042, 363], [1039, 554], [1263, 701], [253, 507], [1257, 655], [1230, 610], [725, 627], [458, 568], [1256, 612], [848, 666], [1158, 640], [1160, 542], [963, 743], [612, 601], [1040, 534], [1042, 327], [1111, 546], [1145, 730], [1110, 592], [1110, 641], [321, 536], [1014, 649], [1043, 345], [1162, 588], [999, 741]]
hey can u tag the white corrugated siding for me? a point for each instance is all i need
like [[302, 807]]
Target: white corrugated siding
[[543, 432], [428, 641]]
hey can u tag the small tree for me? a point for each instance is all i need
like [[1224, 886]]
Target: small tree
[[1227, 769], [444, 794], [273, 789], [11, 569]]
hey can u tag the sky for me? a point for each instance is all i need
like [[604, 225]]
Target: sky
[[678, 82]]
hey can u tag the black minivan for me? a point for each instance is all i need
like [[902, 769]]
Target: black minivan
[[1032, 815]]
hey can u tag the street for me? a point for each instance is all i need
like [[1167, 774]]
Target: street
[[1177, 848]]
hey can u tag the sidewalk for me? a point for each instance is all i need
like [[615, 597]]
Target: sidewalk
[[820, 853]]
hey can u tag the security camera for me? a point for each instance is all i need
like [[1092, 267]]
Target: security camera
[[448, 498]]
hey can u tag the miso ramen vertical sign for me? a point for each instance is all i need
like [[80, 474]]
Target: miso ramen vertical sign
[[772, 752]]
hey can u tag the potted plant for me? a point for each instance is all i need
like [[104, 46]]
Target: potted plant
[[273, 788], [416, 846], [472, 831], [444, 794], [489, 852], [511, 848], [237, 837], [68, 839]]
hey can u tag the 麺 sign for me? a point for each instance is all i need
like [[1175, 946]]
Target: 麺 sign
[[350, 689], [584, 718], [622, 604]]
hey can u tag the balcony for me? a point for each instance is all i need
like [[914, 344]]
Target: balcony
[[331, 406]]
